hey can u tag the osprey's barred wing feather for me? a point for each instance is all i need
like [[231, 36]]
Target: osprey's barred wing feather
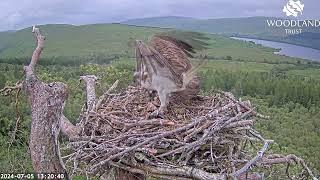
[[178, 46], [174, 55], [149, 59], [185, 47], [198, 41]]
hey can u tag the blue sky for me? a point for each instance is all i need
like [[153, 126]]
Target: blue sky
[[17, 14]]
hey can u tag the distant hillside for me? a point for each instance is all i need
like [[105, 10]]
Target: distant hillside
[[69, 40], [245, 26], [102, 43], [251, 27], [88, 41], [3, 40]]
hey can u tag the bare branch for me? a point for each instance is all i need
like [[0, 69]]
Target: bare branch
[[102, 98], [37, 52], [8, 90], [68, 129], [18, 117], [174, 172], [281, 159], [253, 161]]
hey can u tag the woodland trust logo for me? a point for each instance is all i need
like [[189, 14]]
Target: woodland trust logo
[[293, 9]]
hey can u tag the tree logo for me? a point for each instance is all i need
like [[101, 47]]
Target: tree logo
[[293, 8]]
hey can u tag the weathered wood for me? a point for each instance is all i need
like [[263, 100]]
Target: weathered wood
[[173, 172], [47, 102], [68, 129], [90, 81], [253, 161]]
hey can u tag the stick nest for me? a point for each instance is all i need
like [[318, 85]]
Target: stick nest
[[207, 137]]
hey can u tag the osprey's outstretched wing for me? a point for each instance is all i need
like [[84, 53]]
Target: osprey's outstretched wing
[[177, 47], [174, 53], [166, 51]]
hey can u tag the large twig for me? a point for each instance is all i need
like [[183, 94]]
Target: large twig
[[93, 168], [172, 172], [8, 90], [68, 129], [18, 117], [281, 159], [253, 161], [102, 98], [243, 105], [184, 171]]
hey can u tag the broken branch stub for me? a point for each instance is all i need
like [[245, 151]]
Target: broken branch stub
[[68, 129], [90, 81]]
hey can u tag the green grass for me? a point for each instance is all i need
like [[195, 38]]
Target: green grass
[[313, 73], [13, 158]]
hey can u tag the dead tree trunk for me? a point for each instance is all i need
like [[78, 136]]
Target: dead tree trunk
[[47, 102]]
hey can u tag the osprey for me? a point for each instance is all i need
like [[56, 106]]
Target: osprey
[[163, 66]]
